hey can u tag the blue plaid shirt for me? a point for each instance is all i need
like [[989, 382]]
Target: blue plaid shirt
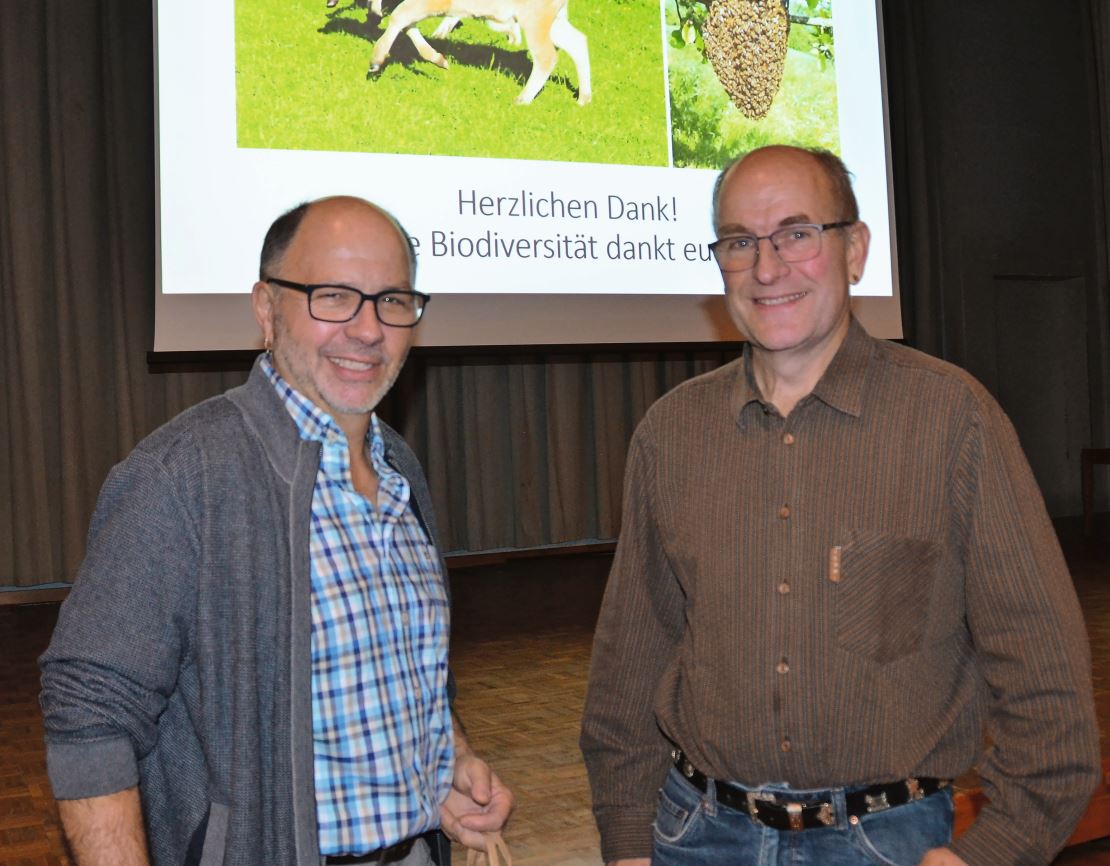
[[380, 719]]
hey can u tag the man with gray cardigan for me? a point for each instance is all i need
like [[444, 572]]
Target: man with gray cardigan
[[252, 665]]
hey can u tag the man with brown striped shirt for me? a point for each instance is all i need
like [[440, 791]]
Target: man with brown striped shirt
[[835, 570]]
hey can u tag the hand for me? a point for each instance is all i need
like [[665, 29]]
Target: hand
[[941, 857], [478, 803], [639, 861]]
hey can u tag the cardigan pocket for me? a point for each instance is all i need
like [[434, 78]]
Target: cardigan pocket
[[881, 589]]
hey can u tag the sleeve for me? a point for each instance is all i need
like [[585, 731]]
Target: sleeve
[[122, 633], [1031, 644], [636, 640]]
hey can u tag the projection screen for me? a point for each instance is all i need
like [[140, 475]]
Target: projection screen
[[545, 223]]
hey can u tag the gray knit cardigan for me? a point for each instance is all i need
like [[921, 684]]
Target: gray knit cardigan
[[181, 657]]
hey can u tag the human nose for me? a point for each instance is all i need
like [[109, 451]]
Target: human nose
[[366, 326], [769, 265]]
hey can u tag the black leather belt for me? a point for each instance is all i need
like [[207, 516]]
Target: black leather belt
[[782, 814], [389, 854]]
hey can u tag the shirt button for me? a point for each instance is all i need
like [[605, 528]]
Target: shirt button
[[788, 439], [785, 744], [783, 667], [784, 588], [784, 512]]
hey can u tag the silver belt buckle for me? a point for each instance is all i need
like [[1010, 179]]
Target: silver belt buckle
[[795, 815], [877, 803], [755, 798]]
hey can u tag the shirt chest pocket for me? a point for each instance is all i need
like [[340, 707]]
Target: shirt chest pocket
[[882, 584]]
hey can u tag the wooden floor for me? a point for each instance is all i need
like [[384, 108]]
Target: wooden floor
[[520, 652]]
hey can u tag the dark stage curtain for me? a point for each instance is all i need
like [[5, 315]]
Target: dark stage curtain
[[919, 225], [1098, 325], [522, 450], [76, 272]]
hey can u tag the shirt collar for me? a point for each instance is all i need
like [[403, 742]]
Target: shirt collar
[[744, 390], [846, 377], [313, 423], [316, 425], [841, 387]]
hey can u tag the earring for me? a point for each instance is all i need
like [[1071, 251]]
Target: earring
[[268, 345]]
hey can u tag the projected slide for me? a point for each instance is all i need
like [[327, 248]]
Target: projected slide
[[530, 147]]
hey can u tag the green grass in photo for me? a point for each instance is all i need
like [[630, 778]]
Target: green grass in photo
[[708, 130], [301, 84]]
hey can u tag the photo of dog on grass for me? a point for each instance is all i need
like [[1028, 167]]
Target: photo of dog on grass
[[457, 83], [544, 22]]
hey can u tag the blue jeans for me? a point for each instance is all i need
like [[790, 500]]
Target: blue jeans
[[692, 829]]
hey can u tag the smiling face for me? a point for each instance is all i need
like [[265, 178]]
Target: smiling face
[[344, 368], [796, 311]]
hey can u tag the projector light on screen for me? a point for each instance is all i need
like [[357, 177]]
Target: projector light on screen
[[549, 204]]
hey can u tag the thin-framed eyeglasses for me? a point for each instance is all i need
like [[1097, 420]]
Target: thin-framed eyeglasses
[[398, 308], [793, 243]]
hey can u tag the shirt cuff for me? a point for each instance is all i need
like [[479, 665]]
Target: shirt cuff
[[625, 833], [91, 769]]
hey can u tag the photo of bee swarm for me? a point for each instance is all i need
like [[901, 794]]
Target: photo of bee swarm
[[745, 41]]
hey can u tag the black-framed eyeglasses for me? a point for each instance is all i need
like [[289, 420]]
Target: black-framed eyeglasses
[[398, 308], [793, 243]]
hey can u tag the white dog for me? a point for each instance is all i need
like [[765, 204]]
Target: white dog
[[511, 31], [543, 22]]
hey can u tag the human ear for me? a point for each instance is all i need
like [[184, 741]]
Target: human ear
[[858, 242], [262, 303]]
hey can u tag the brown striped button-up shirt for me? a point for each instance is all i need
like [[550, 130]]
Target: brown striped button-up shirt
[[843, 596]]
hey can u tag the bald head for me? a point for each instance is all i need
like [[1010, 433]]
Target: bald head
[[831, 167], [284, 229]]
